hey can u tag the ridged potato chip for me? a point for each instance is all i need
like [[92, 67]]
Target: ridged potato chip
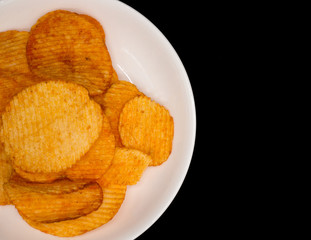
[[113, 102], [147, 126], [13, 51], [62, 186], [6, 171], [65, 45], [39, 177], [127, 167], [113, 197], [55, 123], [98, 159], [12, 83], [47, 207]]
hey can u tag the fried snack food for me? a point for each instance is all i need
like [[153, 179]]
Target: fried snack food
[[98, 159], [65, 45], [44, 206], [13, 51], [127, 167], [39, 177], [54, 123], [113, 197], [5, 174], [113, 102], [6, 171], [147, 126], [12, 83]]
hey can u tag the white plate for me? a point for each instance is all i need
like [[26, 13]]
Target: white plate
[[142, 55]]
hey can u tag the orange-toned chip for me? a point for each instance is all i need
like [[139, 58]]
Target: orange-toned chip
[[12, 83], [98, 159], [62, 186], [13, 51], [49, 126], [65, 45], [6, 171], [47, 207], [127, 167], [39, 177], [113, 102], [113, 197], [147, 126]]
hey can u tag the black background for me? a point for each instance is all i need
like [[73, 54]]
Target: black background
[[198, 32]]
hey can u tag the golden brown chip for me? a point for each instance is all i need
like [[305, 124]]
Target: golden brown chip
[[13, 51], [113, 197], [49, 126], [39, 177], [12, 83], [62, 186], [6, 171], [113, 102], [127, 167], [147, 126], [65, 45], [98, 159], [46, 207], [5, 174]]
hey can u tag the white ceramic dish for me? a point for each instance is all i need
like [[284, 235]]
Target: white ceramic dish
[[142, 55]]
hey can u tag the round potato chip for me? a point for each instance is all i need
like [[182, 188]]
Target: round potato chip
[[98, 159], [13, 51], [6, 171], [12, 83], [49, 126], [113, 102], [113, 197], [147, 126], [127, 167], [49, 207], [39, 177], [65, 45]]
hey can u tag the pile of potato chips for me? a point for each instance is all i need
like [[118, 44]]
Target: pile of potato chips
[[72, 135]]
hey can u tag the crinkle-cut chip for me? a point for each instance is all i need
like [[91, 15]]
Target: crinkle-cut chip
[[62, 186], [96, 24], [98, 159], [13, 51], [115, 78], [147, 126], [46, 207], [12, 83], [6, 171], [39, 177], [113, 102], [65, 45], [54, 123], [127, 167], [113, 197]]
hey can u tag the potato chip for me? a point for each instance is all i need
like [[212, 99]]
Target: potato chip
[[62, 186], [127, 167], [12, 83], [6, 171], [98, 159], [54, 123], [5, 174], [113, 197], [45, 207], [113, 102], [39, 177], [13, 51], [65, 45], [147, 126]]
